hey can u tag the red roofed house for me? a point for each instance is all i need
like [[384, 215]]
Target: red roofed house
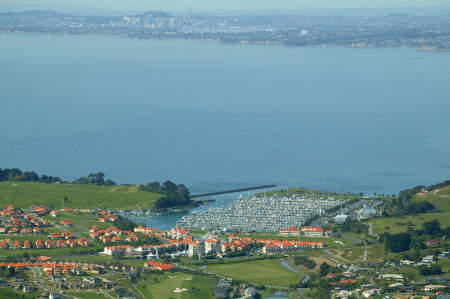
[[158, 266], [54, 213], [433, 243], [312, 231], [66, 223]]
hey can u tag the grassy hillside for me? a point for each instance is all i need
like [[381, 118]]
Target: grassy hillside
[[24, 194], [401, 224], [440, 198]]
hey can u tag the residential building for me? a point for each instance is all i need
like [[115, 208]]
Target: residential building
[[312, 231], [290, 231], [212, 246], [196, 248]]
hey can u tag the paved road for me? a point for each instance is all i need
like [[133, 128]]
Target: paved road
[[301, 292], [37, 276], [370, 231]]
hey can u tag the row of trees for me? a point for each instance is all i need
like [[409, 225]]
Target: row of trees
[[95, 179], [305, 261], [174, 195], [123, 223], [17, 175]]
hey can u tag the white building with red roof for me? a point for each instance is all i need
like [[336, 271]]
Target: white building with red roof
[[290, 231], [312, 231], [178, 233]]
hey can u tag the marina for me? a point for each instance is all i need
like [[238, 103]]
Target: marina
[[260, 213]]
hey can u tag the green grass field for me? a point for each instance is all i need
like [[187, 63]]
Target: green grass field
[[10, 293], [87, 295], [198, 287], [439, 198], [267, 272], [401, 224], [23, 195], [6, 254]]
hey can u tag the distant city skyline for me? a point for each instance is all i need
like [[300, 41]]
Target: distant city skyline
[[234, 5]]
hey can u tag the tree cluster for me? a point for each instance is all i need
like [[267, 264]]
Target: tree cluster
[[305, 261], [354, 227], [95, 179], [174, 195], [17, 175], [397, 242], [123, 223], [433, 269]]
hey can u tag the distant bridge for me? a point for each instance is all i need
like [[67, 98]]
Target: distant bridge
[[233, 191]]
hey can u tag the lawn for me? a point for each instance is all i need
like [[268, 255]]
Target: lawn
[[25, 194], [401, 224], [267, 272], [10, 293], [445, 264], [87, 295], [198, 287], [6, 254]]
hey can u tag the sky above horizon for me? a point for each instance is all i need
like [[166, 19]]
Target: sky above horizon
[[225, 5]]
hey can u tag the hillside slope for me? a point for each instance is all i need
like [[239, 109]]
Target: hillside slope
[[24, 194]]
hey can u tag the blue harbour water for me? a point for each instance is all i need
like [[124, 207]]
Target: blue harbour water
[[216, 116]]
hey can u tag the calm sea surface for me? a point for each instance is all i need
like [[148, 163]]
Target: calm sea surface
[[216, 116]]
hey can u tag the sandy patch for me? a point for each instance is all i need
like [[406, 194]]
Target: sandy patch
[[178, 290]]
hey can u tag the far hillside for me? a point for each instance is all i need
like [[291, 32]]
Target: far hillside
[[25, 194], [413, 207], [25, 188], [439, 197]]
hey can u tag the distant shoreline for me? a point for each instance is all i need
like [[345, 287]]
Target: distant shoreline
[[241, 42]]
